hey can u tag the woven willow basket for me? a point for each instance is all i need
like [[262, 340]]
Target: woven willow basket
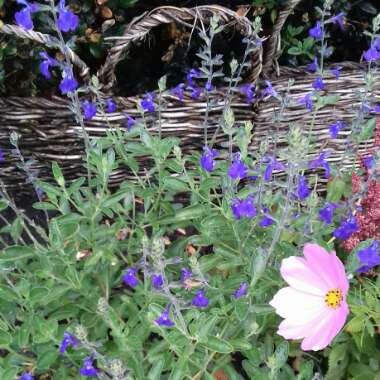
[[49, 132]]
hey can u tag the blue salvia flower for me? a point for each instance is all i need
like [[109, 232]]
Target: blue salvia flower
[[130, 278], [237, 170], [195, 91], [208, 86], [313, 67], [336, 128], [272, 164], [269, 90], [2, 159], [369, 257], [266, 220], [24, 17], [336, 71], [243, 208], [369, 162], [338, 19], [200, 300], [307, 101], [242, 291], [185, 275], [178, 91], [193, 73], [68, 340], [316, 32], [68, 83], [318, 83], [249, 91], [157, 281], [110, 106], [164, 320], [207, 161], [326, 213], [302, 189], [89, 109], [371, 55], [346, 228], [321, 162], [67, 20], [148, 102], [46, 64], [26, 376], [88, 368], [130, 121]]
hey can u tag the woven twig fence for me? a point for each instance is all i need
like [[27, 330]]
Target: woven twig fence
[[49, 132]]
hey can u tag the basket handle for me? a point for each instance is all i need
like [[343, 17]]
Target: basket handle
[[271, 46], [139, 27], [46, 39]]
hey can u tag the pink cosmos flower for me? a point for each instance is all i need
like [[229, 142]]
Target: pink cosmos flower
[[314, 305]]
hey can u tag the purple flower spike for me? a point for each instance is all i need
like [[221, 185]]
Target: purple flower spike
[[269, 90], [346, 228], [266, 221], [272, 164], [68, 83], [24, 17], [68, 340], [193, 73], [242, 291], [130, 278], [148, 102], [89, 110], [185, 275], [302, 189], [249, 91], [316, 32], [243, 208], [369, 162], [157, 281], [371, 55], [88, 368], [313, 67], [130, 122], [2, 159], [237, 170], [46, 64], [207, 161], [67, 20], [195, 91], [26, 376], [326, 213], [336, 72], [369, 257], [200, 300], [110, 106], [318, 84], [179, 91], [164, 319], [336, 128], [321, 162], [307, 101], [338, 19]]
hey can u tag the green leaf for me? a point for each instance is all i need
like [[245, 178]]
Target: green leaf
[[294, 50], [58, 175], [16, 253], [216, 344], [5, 339], [184, 214], [156, 370], [47, 358], [3, 205], [281, 354], [44, 206]]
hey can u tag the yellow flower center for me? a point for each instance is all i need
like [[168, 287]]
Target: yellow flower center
[[333, 298]]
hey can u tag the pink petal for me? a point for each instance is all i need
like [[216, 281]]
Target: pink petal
[[322, 263], [343, 283], [326, 329], [300, 275], [291, 330], [297, 306]]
